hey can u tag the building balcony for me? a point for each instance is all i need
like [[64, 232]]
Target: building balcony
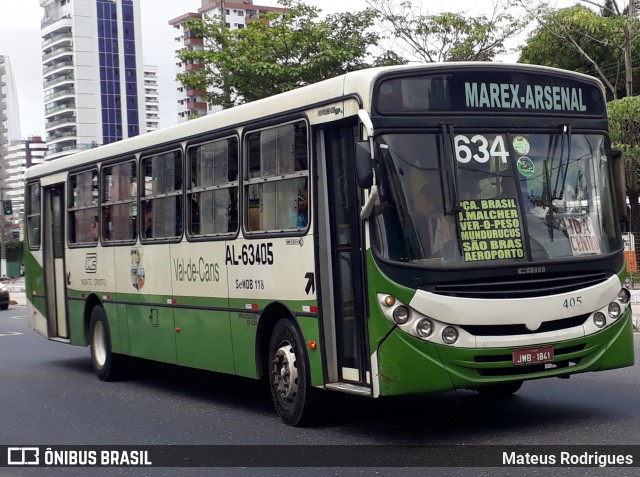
[[60, 123], [60, 108], [58, 80], [59, 94], [48, 21], [65, 37], [192, 92], [197, 106], [193, 67], [193, 41], [48, 58], [62, 65]]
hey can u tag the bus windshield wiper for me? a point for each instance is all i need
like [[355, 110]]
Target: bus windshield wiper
[[449, 180], [449, 172], [563, 168]]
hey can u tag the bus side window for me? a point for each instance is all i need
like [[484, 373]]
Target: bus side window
[[162, 184], [83, 207], [212, 197], [277, 178], [119, 202]]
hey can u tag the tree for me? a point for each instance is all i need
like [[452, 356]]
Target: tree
[[448, 36], [624, 130], [601, 43], [278, 52]]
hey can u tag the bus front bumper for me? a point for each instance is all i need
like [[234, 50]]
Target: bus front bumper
[[407, 365]]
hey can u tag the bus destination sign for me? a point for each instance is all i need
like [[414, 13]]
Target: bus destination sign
[[488, 90], [532, 97]]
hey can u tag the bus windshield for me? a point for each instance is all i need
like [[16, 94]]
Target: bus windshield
[[477, 199]]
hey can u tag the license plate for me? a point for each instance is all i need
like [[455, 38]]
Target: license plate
[[526, 356]]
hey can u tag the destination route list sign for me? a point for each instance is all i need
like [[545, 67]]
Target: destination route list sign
[[490, 230]]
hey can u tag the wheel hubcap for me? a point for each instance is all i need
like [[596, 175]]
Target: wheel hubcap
[[284, 373]]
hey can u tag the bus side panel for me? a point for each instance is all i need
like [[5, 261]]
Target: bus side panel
[[204, 339], [35, 291], [199, 284], [243, 332], [310, 332], [76, 319]]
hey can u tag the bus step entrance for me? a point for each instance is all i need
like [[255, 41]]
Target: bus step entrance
[[348, 388]]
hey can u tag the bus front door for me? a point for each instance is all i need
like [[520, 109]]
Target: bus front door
[[53, 249], [342, 264]]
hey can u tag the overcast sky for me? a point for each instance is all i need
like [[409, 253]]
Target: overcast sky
[[20, 40]]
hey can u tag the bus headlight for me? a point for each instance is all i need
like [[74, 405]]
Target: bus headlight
[[424, 328], [449, 335], [599, 319], [401, 314], [624, 296], [614, 310], [627, 282]]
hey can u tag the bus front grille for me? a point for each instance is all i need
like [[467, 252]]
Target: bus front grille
[[517, 287], [511, 330]]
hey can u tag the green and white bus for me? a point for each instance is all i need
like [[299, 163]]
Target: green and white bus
[[392, 231]]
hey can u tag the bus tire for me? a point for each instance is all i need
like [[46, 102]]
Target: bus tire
[[107, 365], [497, 391], [289, 374]]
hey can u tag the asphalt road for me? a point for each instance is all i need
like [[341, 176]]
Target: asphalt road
[[49, 396]]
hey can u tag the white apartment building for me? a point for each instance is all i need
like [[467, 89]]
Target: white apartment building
[[93, 70], [191, 102], [21, 155], [9, 116], [151, 98]]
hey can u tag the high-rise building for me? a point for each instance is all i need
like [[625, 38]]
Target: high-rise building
[[151, 98], [21, 155], [191, 102], [9, 116], [93, 73]]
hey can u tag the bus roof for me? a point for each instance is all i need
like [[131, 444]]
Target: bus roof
[[357, 84]]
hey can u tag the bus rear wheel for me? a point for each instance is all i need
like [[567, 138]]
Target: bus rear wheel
[[497, 391], [107, 365], [289, 376]]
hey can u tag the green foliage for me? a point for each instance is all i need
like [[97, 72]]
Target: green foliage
[[278, 52], [583, 40], [14, 250], [624, 129], [448, 36]]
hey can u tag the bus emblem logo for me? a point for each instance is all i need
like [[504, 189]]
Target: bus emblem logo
[[91, 263], [529, 270]]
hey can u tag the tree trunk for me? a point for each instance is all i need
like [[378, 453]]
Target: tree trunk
[[628, 65]]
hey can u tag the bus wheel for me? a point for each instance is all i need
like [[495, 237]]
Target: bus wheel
[[501, 390], [289, 375], [106, 365]]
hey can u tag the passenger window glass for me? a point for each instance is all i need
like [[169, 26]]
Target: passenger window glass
[[119, 209], [162, 195], [277, 189], [83, 208], [212, 198], [33, 215]]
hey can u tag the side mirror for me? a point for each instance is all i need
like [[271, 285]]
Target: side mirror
[[364, 164], [619, 184]]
